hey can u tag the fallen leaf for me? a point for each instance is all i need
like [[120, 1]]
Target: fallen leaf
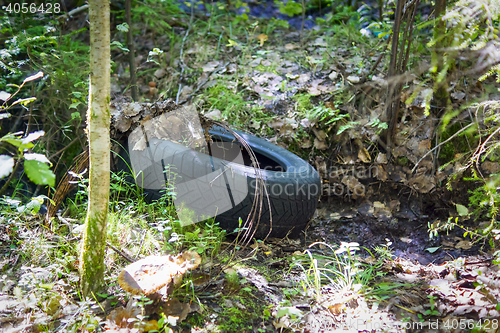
[[214, 115], [381, 158], [336, 308], [353, 78], [363, 155], [321, 145], [159, 73], [266, 63], [320, 42], [276, 123], [320, 134], [314, 91], [432, 249], [303, 78], [306, 123], [422, 183], [306, 144], [490, 167], [464, 244], [175, 309], [210, 66], [255, 62], [462, 210], [458, 95]]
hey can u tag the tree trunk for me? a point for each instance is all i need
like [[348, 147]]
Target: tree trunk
[[441, 96], [98, 119]]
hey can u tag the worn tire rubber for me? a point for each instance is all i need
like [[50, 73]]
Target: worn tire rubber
[[293, 193]]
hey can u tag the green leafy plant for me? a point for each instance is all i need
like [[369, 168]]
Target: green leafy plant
[[290, 8], [36, 165], [432, 311]]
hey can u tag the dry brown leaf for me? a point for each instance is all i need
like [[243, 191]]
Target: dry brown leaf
[[305, 144], [174, 308], [313, 91], [423, 183], [303, 78], [463, 244], [215, 114], [319, 144], [320, 134], [210, 66], [306, 123], [490, 167], [335, 308], [159, 73], [353, 78], [276, 123], [266, 63], [119, 318], [364, 155], [381, 174], [255, 62], [320, 42]]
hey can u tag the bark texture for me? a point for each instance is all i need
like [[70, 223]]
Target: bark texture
[[98, 119]]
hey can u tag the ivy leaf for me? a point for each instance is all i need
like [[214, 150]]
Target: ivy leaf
[[39, 173]]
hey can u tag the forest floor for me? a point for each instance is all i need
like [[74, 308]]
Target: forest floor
[[366, 262]]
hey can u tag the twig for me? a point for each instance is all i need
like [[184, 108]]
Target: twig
[[411, 33], [73, 12], [123, 254], [481, 149], [63, 149], [442, 143]]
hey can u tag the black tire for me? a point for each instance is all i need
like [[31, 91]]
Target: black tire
[[292, 184]]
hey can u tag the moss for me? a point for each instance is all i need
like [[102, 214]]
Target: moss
[[458, 145], [92, 255]]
